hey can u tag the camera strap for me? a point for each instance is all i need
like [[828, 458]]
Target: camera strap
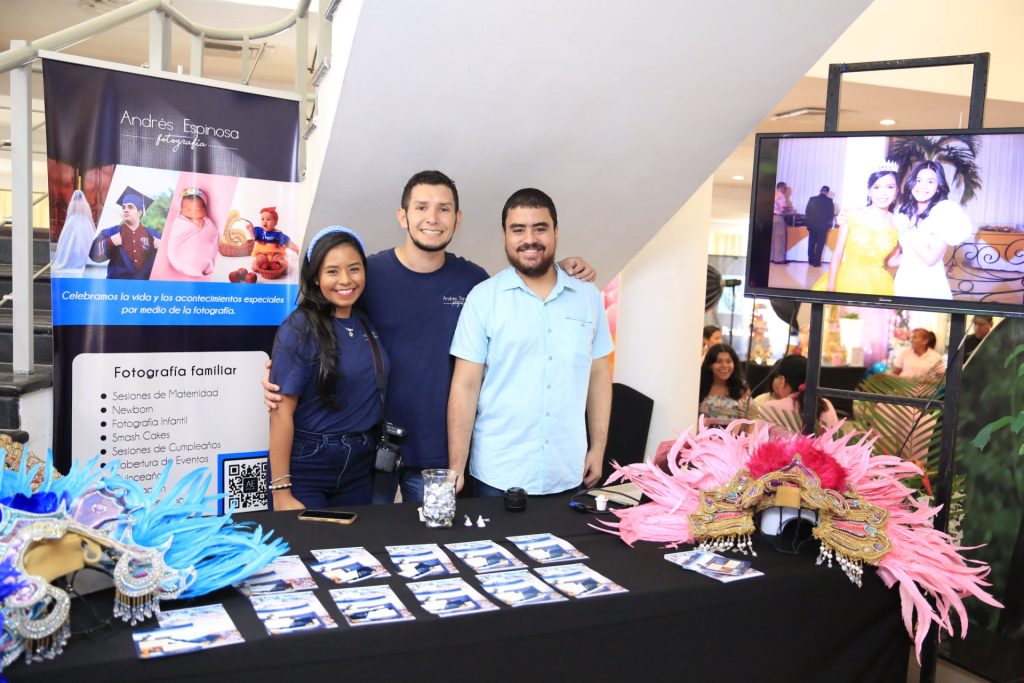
[[388, 458], [378, 361]]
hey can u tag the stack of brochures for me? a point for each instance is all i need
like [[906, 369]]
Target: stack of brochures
[[450, 597], [291, 612], [519, 588], [187, 630], [286, 573], [364, 605], [579, 581], [420, 561], [282, 596], [717, 567], [283, 599], [547, 548], [485, 556], [348, 565]]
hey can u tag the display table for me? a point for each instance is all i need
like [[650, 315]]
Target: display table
[[799, 622]]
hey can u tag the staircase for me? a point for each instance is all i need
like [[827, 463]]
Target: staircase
[[12, 386], [21, 393]]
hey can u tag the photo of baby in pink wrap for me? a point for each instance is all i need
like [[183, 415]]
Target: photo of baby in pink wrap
[[188, 250]]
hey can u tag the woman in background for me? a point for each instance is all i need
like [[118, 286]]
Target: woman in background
[[787, 384], [712, 336], [866, 240], [929, 224], [921, 358], [724, 395]]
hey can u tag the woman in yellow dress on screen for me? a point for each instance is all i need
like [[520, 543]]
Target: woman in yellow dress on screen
[[866, 240]]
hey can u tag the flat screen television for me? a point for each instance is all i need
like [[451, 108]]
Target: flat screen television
[[930, 220]]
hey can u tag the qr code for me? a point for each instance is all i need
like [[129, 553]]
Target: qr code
[[245, 484]]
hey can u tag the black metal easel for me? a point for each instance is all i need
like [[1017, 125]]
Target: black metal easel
[[950, 402]]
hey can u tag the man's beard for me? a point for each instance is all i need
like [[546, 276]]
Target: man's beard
[[430, 247], [541, 268]]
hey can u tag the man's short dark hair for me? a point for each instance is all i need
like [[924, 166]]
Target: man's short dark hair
[[779, 185], [985, 318], [530, 198], [429, 178], [824, 189]]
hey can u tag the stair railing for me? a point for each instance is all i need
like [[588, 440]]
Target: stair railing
[[18, 60]]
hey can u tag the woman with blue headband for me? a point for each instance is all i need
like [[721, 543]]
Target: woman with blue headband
[[332, 370]]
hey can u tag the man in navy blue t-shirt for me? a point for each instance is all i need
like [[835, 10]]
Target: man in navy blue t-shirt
[[414, 294]]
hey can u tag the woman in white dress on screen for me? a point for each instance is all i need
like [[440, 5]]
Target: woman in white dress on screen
[[75, 238], [929, 224]]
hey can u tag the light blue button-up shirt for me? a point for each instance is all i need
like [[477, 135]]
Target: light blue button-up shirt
[[530, 429]]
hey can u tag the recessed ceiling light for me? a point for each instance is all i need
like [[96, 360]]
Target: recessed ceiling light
[[737, 177], [888, 122]]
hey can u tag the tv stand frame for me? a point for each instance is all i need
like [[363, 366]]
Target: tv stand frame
[[950, 402]]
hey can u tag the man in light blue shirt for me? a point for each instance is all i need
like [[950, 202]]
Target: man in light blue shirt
[[531, 360]]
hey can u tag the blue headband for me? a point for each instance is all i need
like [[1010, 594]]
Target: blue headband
[[327, 231]]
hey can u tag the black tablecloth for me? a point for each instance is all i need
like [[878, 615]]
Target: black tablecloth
[[799, 622]]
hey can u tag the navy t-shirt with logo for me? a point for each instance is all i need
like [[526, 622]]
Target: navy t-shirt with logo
[[415, 315], [296, 365]]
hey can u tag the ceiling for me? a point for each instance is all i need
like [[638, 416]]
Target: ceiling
[[862, 107], [915, 98], [129, 42], [609, 109], [614, 109]]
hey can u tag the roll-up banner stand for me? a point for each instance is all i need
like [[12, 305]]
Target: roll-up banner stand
[[174, 234]]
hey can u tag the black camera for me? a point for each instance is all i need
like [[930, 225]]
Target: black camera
[[389, 453], [392, 430]]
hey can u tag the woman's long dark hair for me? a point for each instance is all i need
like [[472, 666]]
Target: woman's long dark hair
[[909, 207], [793, 369], [735, 382], [318, 313]]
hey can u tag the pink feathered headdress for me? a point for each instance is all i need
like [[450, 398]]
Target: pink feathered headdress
[[712, 484]]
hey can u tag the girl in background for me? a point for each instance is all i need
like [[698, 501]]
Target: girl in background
[[929, 224], [322, 436], [712, 336], [724, 395], [787, 384], [866, 240]]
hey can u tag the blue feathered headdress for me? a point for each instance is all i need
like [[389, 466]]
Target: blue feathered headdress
[[156, 547]]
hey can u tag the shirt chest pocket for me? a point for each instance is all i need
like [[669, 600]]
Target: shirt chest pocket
[[575, 339]]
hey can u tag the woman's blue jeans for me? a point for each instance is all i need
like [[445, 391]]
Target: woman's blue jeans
[[332, 470]]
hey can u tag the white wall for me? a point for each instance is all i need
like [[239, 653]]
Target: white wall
[[661, 313], [343, 32], [619, 110]]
